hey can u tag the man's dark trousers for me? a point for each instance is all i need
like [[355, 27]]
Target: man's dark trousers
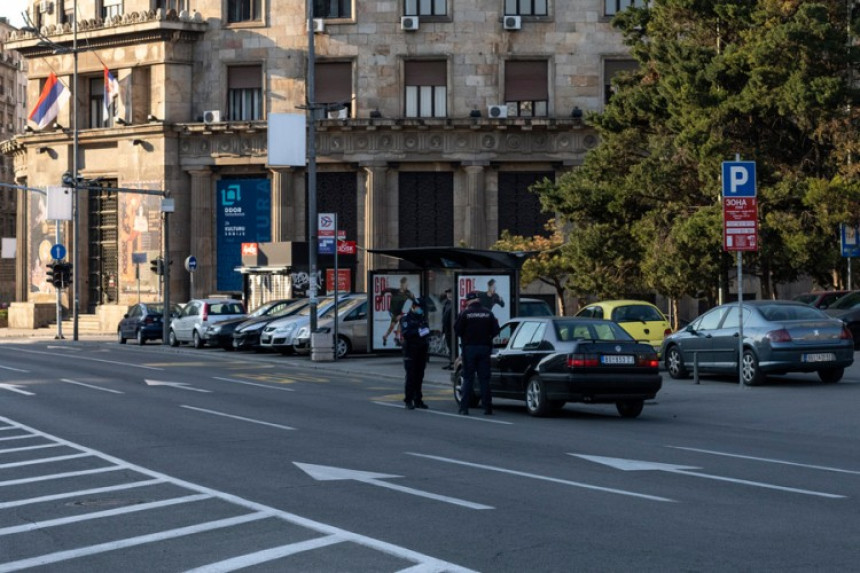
[[414, 361], [476, 360]]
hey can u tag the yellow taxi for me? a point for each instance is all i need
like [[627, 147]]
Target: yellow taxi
[[641, 319]]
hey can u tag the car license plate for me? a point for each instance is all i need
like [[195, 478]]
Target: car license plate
[[819, 357], [616, 359]]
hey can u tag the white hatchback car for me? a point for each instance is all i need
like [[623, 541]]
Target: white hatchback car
[[196, 317], [282, 335]]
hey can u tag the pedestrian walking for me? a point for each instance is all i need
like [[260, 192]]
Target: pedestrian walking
[[415, 339], [476, 327], [448, 326]]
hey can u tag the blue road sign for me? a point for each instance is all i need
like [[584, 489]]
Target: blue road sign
[[739, 179], [58, 251], [191, 263], [849, 236], [326, 246]]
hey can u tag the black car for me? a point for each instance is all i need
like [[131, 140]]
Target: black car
[[221, 333], [548, 362], [144, 321], [246, 336], [847, 309]]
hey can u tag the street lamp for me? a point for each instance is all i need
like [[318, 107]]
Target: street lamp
[[312, 171]]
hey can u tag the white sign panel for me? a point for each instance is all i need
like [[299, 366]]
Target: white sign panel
[[287, 140], [59, 204], [8, 247]]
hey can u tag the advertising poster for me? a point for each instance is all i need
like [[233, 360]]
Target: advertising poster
[[494, 292], [392, 296], [139, 232], [42, 238], [244, 216]]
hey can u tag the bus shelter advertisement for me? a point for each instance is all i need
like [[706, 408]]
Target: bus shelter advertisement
[[392, 296], [494, 292]]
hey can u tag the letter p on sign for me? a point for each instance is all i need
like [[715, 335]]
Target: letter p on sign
[[739, 179]]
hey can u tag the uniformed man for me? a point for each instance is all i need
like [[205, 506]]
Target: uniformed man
[[415, 338], [476, 327]]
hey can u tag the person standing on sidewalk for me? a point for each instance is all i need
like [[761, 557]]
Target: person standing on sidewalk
[[476, 327], [415, 337], [447, 326]]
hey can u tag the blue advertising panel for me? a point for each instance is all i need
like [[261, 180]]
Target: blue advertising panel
[[244, 216]]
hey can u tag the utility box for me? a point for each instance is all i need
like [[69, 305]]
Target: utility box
[[322, 345]]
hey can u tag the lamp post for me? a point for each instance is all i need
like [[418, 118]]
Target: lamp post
[[312, 171]]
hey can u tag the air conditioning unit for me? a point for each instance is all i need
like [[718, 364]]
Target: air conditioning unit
[[497, 111], [409, 23], [46, 6], [338, 114], [211, 116], [512, 22], [319, 25]]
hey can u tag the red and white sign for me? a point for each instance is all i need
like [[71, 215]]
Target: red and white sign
[[344, 282], [326, 224], [346, 247], [740, 224], [250, 249]]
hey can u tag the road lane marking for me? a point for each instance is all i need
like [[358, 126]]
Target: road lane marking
[[26, 448], [15, 388], [43, 461], [270, 387], [636, 465], [22, 437], [542, 478], [134, 508], [123, 364], [68, 381], [82, 492], [438, 413], [768, 460], [330, 473], [273, 425], [266, 555], [13, 369], [62, 475], [180, 385]]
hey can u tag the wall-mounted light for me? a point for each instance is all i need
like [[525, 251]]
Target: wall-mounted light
[[58, 126], [120, 121], [28, 129], [43, 150], [137, 142], [151, 118]]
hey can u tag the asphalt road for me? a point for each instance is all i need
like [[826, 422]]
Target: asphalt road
[[152, 459]]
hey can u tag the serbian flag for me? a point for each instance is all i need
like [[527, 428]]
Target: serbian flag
[[111, 92], [54, 97]]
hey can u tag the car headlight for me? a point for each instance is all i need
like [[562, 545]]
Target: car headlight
[[214, 329], [254, 327], [286, 329], [304, 332]]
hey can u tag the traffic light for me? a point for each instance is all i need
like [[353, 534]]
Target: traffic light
[[52, 274], [55, 274], [65, 274], [156, 266]]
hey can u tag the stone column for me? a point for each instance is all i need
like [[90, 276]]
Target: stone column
[[283, 204], [375, 214], [22, 272], [202, 224], [475, 224]]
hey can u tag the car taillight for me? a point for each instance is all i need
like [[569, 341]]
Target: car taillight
[[846, 334], [582, 361], [148, 320], [647, 360], [780, 335], [205, 312], [667, 332]]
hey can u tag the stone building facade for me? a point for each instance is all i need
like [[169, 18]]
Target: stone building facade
[[433, 118]]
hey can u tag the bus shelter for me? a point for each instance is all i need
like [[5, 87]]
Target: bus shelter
[[428, 272]]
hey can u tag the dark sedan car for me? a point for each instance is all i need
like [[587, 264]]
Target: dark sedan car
[[548, 362], [847, 309], [143, 322], [821, 298], [779, 337], [246, 336], [221, 333]]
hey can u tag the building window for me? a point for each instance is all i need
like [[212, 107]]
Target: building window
[[111, 8], [425, 8], [67, 12], [611, 68], [243, 10], [98, 117], [165, 5], [615, 6], [526, 8], [527, 88], [333, 88], [520, 210], [332, 8], [244, 93], [425, 209], [426, 89]]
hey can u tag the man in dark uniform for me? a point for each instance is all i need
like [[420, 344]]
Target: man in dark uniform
[[447, 326], [476, 327], [415, 336]]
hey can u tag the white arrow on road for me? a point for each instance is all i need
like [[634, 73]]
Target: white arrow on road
[[182, 385], [637, 465], [329, 473], [14, 388]]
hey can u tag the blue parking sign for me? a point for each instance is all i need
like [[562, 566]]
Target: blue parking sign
[[739, 179], [850, 240]]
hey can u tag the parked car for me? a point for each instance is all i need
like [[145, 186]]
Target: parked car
[[221, 333], [847, 309], [196, 317], [548, 362], [641, 319], [352, 328], [821, 299], [246, 336], [281, 334], [144, 321], [779, 337]]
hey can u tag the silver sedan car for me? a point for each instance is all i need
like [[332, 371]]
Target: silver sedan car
[[779, 337]]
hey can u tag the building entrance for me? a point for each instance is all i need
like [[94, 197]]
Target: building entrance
[[103, 247]]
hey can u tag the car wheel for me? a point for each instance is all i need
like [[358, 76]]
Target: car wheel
[[119, 337], [171, 338], [343, 347], [141, 339], [831, 375], [629, 408], [458, 390], [198, 342], [536, 401], [675, 363], [750, 373]]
